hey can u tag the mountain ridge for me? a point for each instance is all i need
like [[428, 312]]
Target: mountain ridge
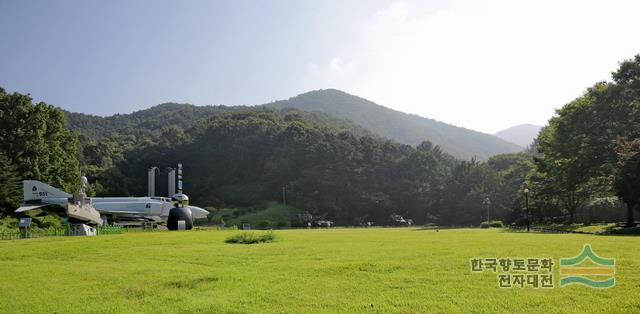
[[340, 109], [400, 126], [521, 134]]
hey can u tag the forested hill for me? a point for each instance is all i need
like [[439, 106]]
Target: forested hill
[[104, 141], [402, 127], [174, 117], [244, 158], [153, 120], [330, 107]]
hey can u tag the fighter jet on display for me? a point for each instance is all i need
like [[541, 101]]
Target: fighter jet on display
[[98, 210]]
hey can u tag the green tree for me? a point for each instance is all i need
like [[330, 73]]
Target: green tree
[[627, 177], [10, 189], [465, 190], [577, 149], [512, 171], [36, 139]]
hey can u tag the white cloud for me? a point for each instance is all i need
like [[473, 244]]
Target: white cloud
[[485, 65]]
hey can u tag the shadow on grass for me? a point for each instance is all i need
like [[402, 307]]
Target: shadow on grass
[[622, 230], [607, 230], [433, 228], [191, 283], [540, 231]]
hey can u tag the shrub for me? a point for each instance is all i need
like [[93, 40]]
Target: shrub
[[492, 224], [250, 238], [105, 229]]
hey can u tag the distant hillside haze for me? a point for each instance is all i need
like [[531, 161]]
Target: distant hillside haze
[[402, 127], [522, 134]]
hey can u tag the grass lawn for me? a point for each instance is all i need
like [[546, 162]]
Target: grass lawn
[[337, 270]]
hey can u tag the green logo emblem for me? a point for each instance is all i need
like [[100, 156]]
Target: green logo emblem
[[588, 269]]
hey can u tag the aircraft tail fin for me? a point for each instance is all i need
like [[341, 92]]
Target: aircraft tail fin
[[36, 190]]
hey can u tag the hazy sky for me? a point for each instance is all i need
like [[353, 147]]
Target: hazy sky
[[484, 65]]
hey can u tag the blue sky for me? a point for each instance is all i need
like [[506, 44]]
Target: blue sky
[[485, 65], [106, 56]]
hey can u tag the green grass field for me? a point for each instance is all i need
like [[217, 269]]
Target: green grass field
[[337, 270]]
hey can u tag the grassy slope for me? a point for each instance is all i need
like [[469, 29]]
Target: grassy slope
[[347, 270]]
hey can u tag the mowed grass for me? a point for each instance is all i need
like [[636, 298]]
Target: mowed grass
[[330, 270]]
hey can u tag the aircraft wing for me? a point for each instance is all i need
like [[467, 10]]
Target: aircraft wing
[[28, 207], [116, 212]]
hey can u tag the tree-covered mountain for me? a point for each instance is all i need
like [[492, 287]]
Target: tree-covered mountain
[[241, 157], [155, 121], [104, 140], [402, 127], [522, 135], [245, 157]]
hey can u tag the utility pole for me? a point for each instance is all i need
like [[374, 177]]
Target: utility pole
[[284, 196], [487, 202], [526, 205]]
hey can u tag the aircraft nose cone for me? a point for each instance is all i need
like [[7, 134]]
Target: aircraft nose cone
[[197, 212]]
